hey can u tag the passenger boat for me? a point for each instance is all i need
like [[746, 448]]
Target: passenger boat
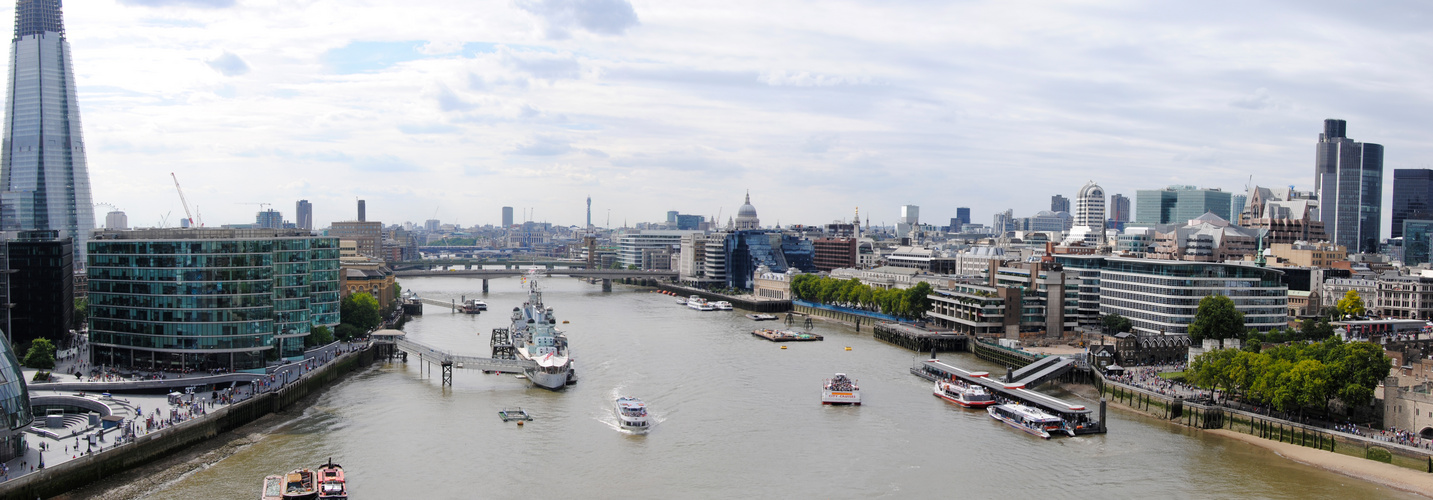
[[700, 304], [273, 488], [331, 484], [300, 485], [1029, 419], [722, 305], [632, 415], [474, 306], [761, 317], [963, 394], [840, 390]]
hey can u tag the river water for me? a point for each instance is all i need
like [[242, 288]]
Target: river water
[[738, 417]]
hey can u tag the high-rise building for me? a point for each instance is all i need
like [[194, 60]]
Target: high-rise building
[[41, 286], [1059, 203], [43, 169], [303, 215], [1179, 204], [1348, 180], [116, 220], [362, 211], [1004, 221], [507, 217], [1237, 203], [1412, 196], [1119, 208], [589, 212], [962, 215], [909, 221], [367, 234], [269, 219], [431, 225], [1090, 209]]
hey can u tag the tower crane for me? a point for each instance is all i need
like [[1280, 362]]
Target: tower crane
[[187, 213]]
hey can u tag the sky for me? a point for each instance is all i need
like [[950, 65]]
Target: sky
[[453, 109]]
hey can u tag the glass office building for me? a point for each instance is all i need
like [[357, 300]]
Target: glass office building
[[1162, 296], [42, 167], [204, 299], [15, 404]]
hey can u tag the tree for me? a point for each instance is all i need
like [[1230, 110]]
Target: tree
[[1216, 319], [1350, 306], [320, 335], [1316, 330], [360, 310], [82, 313], [1116, 323], [41, 354], [346, 332]]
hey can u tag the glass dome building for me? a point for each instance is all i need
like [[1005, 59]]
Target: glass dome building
[[15, 403]]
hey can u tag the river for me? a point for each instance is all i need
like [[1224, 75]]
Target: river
[[738, 417]]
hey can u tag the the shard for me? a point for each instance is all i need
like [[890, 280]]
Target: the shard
[[46, 182]]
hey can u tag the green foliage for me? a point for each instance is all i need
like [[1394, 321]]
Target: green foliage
[[1379, 454], [1116, 323], [1350, 306], [360, 310], [41, 354], [1296, 376], [346, 332], [320, 335], [1216, 319], [82, 314], [910, 303]]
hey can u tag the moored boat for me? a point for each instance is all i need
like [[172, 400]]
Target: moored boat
[[1029, 419], [300, 485], [761, 317], [963, 394], [536, 338], [273, 488], [474, 306], [632, 415], [331, 484], [840, 390], [722, 305]]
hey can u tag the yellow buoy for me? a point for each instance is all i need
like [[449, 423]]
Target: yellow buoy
[[848, 348], [783, 347], [565, 322]]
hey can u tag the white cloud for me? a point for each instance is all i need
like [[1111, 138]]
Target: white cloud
[[228, 64], [603, 17]]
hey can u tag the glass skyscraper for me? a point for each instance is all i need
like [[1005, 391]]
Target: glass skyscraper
[[46, 181], [1348, 177]]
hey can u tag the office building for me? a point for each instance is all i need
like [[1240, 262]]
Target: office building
[[1162, 296], [1003, 222], [834, 253], [367, 235], [42, 286], [116, 220], [1292, 219], [206, 298], [432, 225], [1090, 210], [362, 211], [630, 247], [507, 217], [303, 215], [1119, 208], [1059, 203], [15, 402], [1237, 204], [1416, 234], [1177, 204], [1205, 239], [909, 221], [1348, 179], [1412, 197], [269, 219], [43, 169], [962, 216]]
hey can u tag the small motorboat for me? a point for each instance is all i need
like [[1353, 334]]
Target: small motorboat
[[300, 485], [331, 484], [273, 488]]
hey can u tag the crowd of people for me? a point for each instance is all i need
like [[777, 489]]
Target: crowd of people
[[1390, 435], [1147, 378]]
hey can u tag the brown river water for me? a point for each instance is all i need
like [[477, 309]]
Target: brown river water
[[738, 417]]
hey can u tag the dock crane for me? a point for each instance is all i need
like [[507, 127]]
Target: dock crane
[[187, 213]]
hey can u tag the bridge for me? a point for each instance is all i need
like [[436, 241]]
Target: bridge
[[480, 261], [389, 340], [606, 275]]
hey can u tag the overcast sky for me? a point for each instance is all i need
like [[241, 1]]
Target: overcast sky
[[457, 108]]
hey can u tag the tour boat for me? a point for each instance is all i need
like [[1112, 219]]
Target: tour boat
[[300, 485], [330, 482], [1029, 419], [969, 396], [474, 306], [722, 305], [632, 415], [700, 304], [840, 390], [273, 488]]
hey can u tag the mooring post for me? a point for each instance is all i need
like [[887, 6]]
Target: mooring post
[[1102, 416]]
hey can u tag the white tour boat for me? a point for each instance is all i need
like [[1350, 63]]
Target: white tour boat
[[963, 394], [722, 305], [632, 415], [1029, 419], [840, 390]]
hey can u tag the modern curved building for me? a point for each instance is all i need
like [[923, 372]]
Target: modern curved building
[[170, 299], [15, 403], [1090, 209]]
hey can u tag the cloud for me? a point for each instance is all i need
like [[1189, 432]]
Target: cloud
[[203, 4], [543, 146], [602, 17], [384, 163], [428, 128], [435, 47], [806, 79], [450, 101], [1260, 99], [544, 65], [228, 64], [819, 143]]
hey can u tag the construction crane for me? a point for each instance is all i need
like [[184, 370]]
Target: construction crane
[[189, 215], [261, 205]]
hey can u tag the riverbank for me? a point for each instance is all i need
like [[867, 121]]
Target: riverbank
[[1389, 475]]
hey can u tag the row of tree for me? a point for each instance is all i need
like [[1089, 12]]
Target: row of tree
[[909, 303], [1295, 376]]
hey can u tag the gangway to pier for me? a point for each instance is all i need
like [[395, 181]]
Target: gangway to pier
[[467, 362], [1076, 414], [435, 302], [1041, 371]]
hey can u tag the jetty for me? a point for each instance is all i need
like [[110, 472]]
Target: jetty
[[786, 335], [1081, 418]]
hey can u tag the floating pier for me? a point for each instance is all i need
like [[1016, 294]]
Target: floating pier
[[1079, 416], [786, 336]]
